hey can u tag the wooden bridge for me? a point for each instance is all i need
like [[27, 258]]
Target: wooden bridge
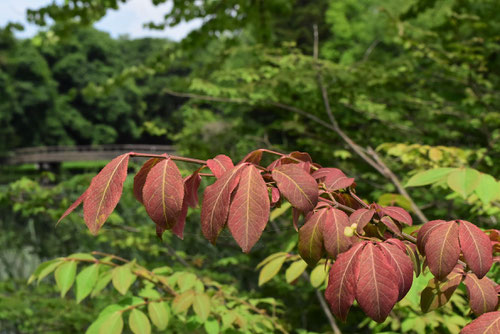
[[49, 155]]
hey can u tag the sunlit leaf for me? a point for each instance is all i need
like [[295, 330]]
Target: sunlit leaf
[[271, 269], [123, 278], [295, 270], [425, 231], [318, 275], [159, 314], [139, 322], [201, 306], [85, 281], [113, 324], [182, 302], [65, 276], [102, 282], [428, 177], [487, 189], [464, 181]]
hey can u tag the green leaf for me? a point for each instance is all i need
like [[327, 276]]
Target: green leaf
[[44, 269], [201, 306], [81, 256], [85, 281], [212, 326], [295, 270], [123, 278], [270, 258], [464, 181], [279, 211], [487, 188], [186, 281], [428, 177], [159, 314], [139, 322], [318, 276], [113, 324], [103, 281], [65, 276], [182, 302], [271, 269]]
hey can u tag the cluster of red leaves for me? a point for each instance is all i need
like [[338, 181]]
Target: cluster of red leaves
[[371, 265]]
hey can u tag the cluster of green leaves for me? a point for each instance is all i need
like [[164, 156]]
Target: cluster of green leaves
[[177, 300]]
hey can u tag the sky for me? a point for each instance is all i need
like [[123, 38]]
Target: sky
[[127, 20]]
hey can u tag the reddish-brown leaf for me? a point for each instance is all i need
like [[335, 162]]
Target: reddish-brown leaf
[[399, 214], [334, 178], [275, 195], [335, 240], [376, 288], [311, 247], [482, 295], [340, 291], [73, 206], [220, 164], [476, 247], [361, 218], [215, 204], [438, 292], [391, 225], [295, 218], [140, 177], [249, 211], [302, 156], [412, 252], [402, 265], [425, 231], [488, 323], [163, 194], [298, 187], [104, 192], [178, 228], [442, 249], [191, 185], [253, 157]]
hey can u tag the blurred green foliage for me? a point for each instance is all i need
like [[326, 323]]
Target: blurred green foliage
[[416, 79]]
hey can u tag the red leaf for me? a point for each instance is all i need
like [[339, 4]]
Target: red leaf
[[439, 292], [303, 156], [476, 247], [442, 249], [488, 323], [220, 164], [275, 195], [425, 231], [178, 228], [482, 294], [73, 206], [163, 194], [252, 157], [311, 237], [333, 232], [249, 211], [334, 178], [399, 214], [215, 204], [299, 187], [376, 289], [340, 291], [402, 265], [104, 192], [140, 177], [191, 185], [391, 225], [361, 217]]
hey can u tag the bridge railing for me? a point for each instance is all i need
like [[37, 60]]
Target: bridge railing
[[58, 154]]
